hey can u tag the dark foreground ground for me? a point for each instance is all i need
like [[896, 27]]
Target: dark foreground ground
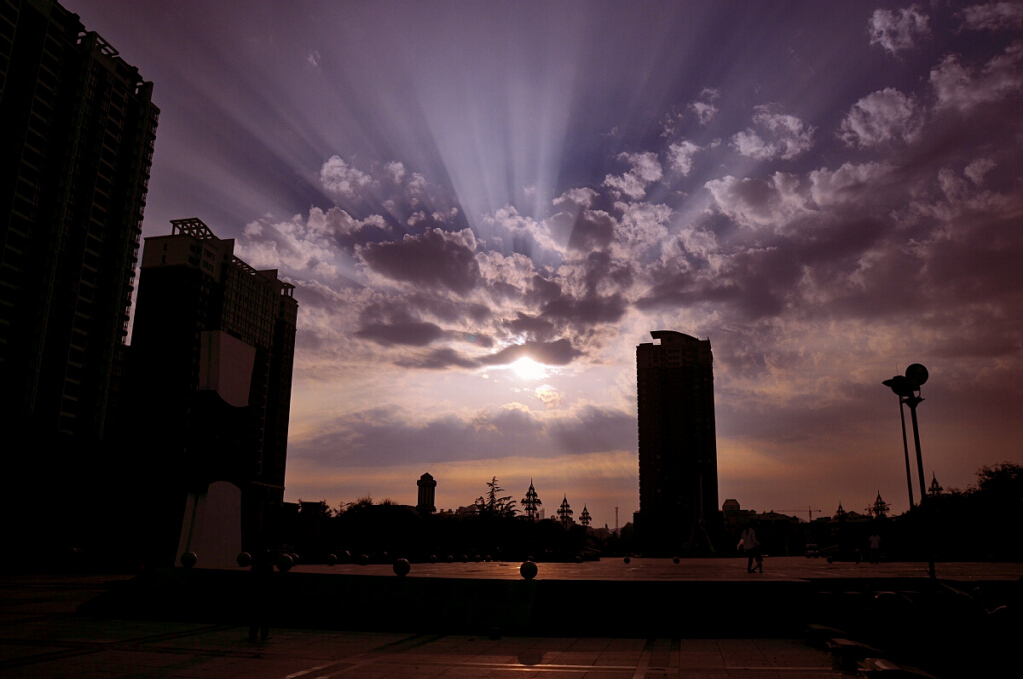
[[650, 619]]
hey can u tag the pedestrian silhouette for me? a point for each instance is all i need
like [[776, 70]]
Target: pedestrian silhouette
[[751, 547], [874, 541], [260, 594]]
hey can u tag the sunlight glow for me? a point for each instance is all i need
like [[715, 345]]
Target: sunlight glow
[[528, 369]]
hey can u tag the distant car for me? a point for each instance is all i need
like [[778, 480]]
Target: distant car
[[812, 551]]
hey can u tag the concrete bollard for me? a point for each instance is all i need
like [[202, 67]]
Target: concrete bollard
[[401, 567], [188, 559], [244, 559], [528, 570]]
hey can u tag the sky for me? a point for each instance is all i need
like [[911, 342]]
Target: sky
[[485, 208]]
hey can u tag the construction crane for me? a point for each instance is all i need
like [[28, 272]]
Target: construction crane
[[809, 510]]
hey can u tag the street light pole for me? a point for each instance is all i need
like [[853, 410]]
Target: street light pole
[[912, 402], [907, 388], [905, 449]]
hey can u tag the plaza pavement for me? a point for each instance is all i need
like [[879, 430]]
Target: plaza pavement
[[42, 636], [786, 568]]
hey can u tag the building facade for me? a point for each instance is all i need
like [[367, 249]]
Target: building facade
[[79, 127], [210, 372], [678, 481]]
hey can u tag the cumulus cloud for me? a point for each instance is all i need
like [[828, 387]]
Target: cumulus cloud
[[296, 244], [786, 136], [964, 88], [339, 179], [759, 202], [396, 170], [550, 397], [680, 157], [645, 170], [978, 168], [704, 109], [881, 117], [995, 16], [849, 183], [897, 30]]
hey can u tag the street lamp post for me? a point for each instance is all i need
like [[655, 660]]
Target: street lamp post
[[907, 388]]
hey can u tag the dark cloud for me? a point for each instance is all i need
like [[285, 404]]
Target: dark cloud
[[559, 352], [533, 326], [438, 359], [595, 429], [382, 437], [588, 311], [414, 334], [591, 230], [435, 258]]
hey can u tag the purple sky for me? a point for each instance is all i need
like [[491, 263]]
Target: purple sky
[[485, 207]]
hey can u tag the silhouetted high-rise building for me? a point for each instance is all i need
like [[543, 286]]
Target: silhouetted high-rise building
[[78, 128], [678, 480], [427, 493], [210, 372]]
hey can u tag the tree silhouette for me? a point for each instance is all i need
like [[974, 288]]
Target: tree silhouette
[[565, 513], [585, 517], [492, 505], [531, 502]]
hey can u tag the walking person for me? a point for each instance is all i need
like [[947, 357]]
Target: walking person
[[750, 546], [260, 594], [874, 541]]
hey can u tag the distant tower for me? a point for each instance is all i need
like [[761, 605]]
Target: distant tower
[[879, 510], [531, 502], [935, 488], [565, 513], [678, 478], [839, 513], [427, 492], [585, 517]]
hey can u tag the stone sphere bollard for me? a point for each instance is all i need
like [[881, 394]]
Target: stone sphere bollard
[[188, 559], [476, 558], [831, 559], [331, 559], [433, 558], [244, 559], [401, 567], [294, 558], [530, 558], [449, 558], [528, 570], [346, 555], [578, 559], [284, 563], [363, 559], [465, 558], [628, 560], [675, 559], [487, 558]]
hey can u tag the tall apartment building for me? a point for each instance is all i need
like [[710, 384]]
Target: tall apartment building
[[78, 127], [210, 371], [678, 480]]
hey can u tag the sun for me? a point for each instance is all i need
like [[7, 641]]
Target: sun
[[528, 369]]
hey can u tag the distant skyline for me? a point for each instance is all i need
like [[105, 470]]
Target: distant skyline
[[485, 207]]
